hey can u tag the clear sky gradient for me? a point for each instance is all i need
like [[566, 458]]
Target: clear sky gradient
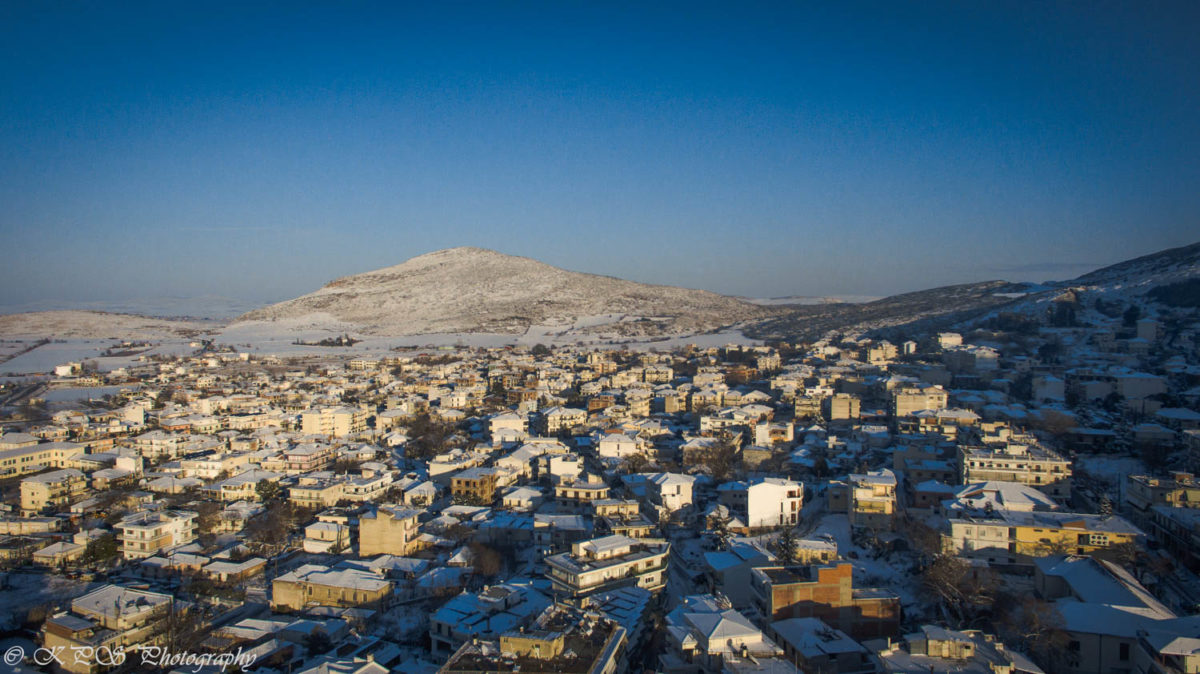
[[258, 150]]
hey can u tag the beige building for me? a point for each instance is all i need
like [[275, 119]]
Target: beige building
[[869, 499], [333, 421], [1143, 492], [30, 457], [580, 494], [842, 406], [313, 585], [316, 492], [57, 488], [911, 399], [478, 484], [609, 563], [1017, 537], [387, 530], [1028, 464], [145, 534], [326, 537], [563, 419], [111, 618], [562, 639]]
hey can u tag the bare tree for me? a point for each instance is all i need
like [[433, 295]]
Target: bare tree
[[485, 560], [1036, 627], [964, 592], [720, 459]]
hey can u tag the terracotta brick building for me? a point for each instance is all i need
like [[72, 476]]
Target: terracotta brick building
[[826, 592]]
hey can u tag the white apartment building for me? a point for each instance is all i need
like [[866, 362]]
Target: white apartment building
[[609, 563], [671, 490], [766, 502]]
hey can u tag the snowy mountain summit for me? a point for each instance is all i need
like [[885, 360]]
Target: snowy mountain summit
[[479, 290]]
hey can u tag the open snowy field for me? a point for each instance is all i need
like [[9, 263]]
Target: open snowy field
[[64, 395], [45, 357]]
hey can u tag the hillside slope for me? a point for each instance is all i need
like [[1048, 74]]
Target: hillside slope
[[98, 325], [477, 290]]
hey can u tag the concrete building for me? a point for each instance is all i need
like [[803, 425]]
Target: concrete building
[[484, 615], [609, 563], [145, 534], [826, 592], [1033, 465], [112, 616], [57, 488], [1143, 492], [1018, 538], [909, 400], [842, 406], [937, 649], [556, 420], [562, 638], [819, 648], [314, 585], [765, 502], [387, 530], [868, 499], [337, 422], [706, 635], [32, 457], [475, 484]]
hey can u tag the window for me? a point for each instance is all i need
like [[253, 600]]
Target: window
[[1124, 652]]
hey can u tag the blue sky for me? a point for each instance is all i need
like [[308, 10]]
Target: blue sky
[[258, 150]]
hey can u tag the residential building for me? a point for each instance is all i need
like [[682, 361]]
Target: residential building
[[937, 649], [475, 484], [1028, 464], [336, 422], [818, 648], [765, 502], [314, 585], [703, 633], [1143, 492], [24, 458], [1015, 537], [563, 639], [113, 618], [672, 491], [580, 494], [558, 420], [1178, 530], [145, 534], [56, 488], [842, 406], [909, 400], [826, 592], [326, 537], [868, 499], [388, 530], [609, 563], [484, 615]]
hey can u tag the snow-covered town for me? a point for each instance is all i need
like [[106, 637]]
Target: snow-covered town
[[1015, 496]]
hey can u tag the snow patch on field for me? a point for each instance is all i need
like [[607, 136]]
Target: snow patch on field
[[44, 358], [1111, 469], [25, 591]]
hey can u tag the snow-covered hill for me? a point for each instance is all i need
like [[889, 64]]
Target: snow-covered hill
[[98, 325], [1161, 268], [477, 290]]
